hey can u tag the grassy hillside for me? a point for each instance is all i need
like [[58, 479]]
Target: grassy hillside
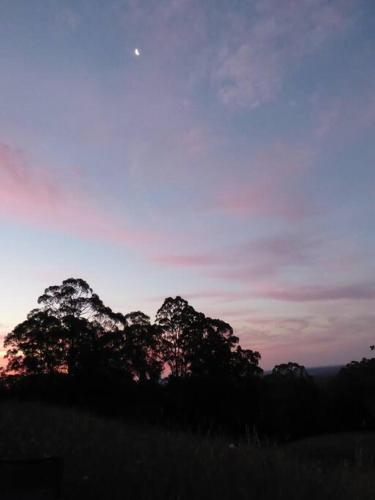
[[345, 449], [111, 460]]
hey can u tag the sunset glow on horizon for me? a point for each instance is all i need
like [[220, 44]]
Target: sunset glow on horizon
[[220, 151]]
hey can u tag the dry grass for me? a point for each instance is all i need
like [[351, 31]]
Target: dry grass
[[111, 460]]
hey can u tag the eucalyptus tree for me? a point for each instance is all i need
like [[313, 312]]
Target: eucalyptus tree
[[245, 363], [67, 333], [211, 348], [290, 371], [177, 321], [192, 344], [37, 345], [134, 347]]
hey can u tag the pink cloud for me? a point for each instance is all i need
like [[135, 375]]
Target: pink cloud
[[210, 295], [312, 341], [252, 262], [175, 260], [312, 293], [262, 200], [34, 196], [286, 249], [307, 293], [267, 258], [221, 296], [270, 187]]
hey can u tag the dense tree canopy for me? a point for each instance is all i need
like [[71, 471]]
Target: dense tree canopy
[[290, 371], [67, 334], [74, 332], [37, 345], [193, 344], [75, 345], [133, 347]]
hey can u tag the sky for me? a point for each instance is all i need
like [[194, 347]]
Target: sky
[[229, 160]]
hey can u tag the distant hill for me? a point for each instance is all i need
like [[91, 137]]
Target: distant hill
[[324, 371], [319, 371]]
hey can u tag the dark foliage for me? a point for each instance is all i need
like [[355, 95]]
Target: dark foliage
[[355, 393], [75, 350]]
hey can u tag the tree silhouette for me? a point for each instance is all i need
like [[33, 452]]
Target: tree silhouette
[[178, 325], [244, 363], [355, 390], [75, 335], [37, 345], [291, 400], [74, 348], [211, 347], [290, 371], [135, 347], [67, 333], [193, 344], [75, 298]]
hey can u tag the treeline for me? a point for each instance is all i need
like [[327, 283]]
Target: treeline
[[185, 370]]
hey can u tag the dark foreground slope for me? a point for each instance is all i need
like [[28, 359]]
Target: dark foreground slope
[[112, 460]]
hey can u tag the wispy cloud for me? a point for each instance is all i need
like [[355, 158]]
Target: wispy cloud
[[251, 265], [270, 185], [345, 117], [256, 44], [233, 158], [313, 341], [193, 260], [37, 197], [67, 18], [267, 258], [255, 58], [291, 293], [310, 293]]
